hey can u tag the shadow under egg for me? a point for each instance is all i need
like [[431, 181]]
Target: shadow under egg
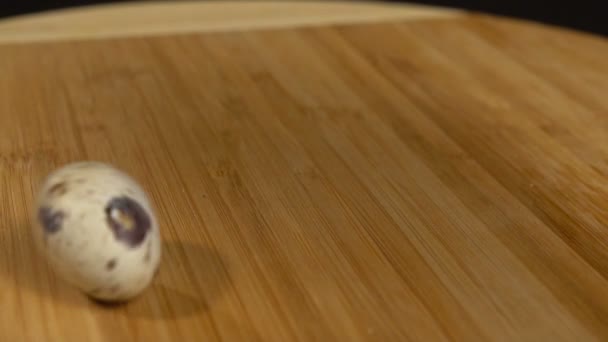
[[191, 277]]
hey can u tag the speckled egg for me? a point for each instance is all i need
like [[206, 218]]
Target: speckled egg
[[97, 229]]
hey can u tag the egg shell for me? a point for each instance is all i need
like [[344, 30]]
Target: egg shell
[[97, 229]]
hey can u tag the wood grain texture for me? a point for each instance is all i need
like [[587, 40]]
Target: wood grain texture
[[155, 18], [425, 181]]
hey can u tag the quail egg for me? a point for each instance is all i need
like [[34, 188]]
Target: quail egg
[[97, 229]]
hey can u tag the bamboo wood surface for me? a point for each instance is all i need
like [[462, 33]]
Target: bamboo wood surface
[[422, 180], [164, 17]]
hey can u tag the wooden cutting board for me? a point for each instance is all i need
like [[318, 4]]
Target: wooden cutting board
[[321, 172]]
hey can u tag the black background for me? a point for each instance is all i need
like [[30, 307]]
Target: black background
[[580, 15], [590, 16]]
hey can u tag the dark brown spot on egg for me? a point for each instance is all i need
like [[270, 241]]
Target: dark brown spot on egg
[[128, 220], [111, 264], [50, 220], [58, 189], [114, 288]]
